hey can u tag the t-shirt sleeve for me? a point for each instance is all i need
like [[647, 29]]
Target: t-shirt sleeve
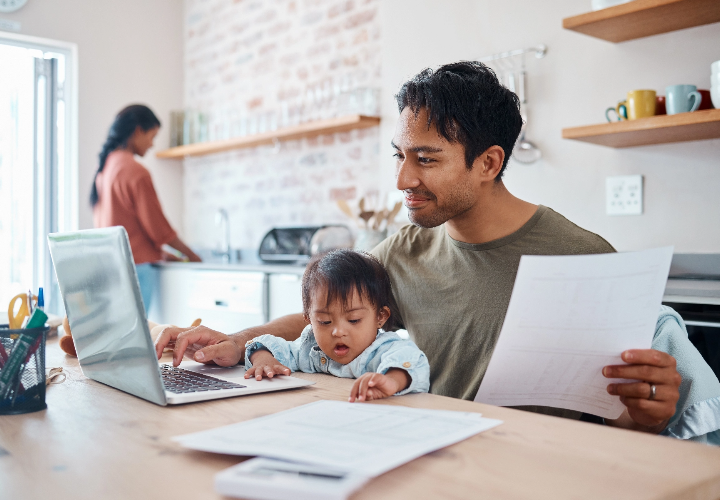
[[150, 214]]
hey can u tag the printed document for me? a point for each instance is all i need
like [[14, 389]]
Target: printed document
[[368, 439], [568, 317]]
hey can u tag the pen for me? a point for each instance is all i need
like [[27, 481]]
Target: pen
[[30, 305], [41, 299], [22, 346]]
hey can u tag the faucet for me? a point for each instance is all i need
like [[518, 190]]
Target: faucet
[[221, 218]]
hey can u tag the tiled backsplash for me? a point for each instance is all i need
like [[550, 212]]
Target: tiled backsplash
[[253, 57]]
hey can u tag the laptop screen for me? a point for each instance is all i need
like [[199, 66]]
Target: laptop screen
[[99, 286]]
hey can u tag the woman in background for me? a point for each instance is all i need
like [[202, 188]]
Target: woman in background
[[123, 194]]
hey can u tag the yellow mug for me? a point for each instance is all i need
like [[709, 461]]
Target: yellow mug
[[639, 104]]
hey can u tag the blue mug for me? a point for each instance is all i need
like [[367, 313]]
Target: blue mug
[[681, 99]]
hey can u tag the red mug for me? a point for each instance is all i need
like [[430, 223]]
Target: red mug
[[660, 105], [706, 101]]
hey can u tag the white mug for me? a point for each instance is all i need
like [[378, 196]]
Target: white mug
[[715, 84]]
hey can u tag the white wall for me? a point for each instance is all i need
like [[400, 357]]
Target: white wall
[[129, 51], [572, 85], [252, 59]]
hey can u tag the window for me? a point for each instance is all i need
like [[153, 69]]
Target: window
[[38, 167]]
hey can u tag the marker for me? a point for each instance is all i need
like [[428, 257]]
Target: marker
[[41, 300], [20, 350]]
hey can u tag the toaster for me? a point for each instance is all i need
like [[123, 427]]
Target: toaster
[[299, 244]]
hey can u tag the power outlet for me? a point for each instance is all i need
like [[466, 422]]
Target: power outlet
[[624, 195]]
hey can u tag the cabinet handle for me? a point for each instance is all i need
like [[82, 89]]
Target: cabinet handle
[[221, 303]]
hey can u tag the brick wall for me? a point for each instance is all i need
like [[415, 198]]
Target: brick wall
[[257, 58]]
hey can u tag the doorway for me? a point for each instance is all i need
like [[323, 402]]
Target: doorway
[[38, 164]]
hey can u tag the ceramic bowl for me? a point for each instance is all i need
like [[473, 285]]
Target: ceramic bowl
[[604, 4]]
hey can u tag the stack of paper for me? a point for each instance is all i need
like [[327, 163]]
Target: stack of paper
[[365, 438], [569, 316]]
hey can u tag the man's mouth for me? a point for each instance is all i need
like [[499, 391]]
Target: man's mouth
[[416, 200], [341, 350]]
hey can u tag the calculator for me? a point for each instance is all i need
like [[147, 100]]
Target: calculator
[[269, 479]]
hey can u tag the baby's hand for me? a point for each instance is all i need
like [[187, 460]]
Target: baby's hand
[[371, 386], [265, 364]]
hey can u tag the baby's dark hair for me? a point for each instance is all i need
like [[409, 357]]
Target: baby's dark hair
[[341, 271]]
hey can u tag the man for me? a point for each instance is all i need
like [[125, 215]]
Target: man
[[453, 270]]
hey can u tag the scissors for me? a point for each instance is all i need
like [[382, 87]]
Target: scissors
[[15, 320]]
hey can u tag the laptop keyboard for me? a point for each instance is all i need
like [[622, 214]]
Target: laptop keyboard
[[181, 381]]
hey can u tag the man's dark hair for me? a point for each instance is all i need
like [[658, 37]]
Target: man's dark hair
[[467, 104], [342, 271]]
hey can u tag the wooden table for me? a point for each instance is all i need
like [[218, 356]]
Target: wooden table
[[96, 442]]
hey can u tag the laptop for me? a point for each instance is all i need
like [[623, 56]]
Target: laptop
[[100, 289]]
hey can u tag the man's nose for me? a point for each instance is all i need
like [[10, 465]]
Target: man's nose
[[406, 178]]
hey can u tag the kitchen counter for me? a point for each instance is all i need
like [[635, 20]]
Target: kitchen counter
[[255, 267], [692, 291]]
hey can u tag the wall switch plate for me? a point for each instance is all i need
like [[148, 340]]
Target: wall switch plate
[[624, 195]]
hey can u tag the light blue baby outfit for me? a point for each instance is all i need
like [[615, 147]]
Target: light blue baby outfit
[[697, 414], [387, 351]]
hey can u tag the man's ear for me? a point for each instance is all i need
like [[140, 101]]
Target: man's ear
[[383, 316], [489, 164]]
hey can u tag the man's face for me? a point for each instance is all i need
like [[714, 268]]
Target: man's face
[[431, 171]]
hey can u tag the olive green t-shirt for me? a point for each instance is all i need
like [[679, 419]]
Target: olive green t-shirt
[[452, 296]]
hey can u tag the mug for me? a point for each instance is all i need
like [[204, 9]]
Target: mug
[[706, 100], [639, 104], [660, 105], [620, 110], [682, 99]]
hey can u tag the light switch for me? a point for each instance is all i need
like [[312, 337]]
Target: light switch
[[624, 195]]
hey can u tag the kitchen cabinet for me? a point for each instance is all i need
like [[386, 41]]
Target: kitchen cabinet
[[227, 301], [285, 295]]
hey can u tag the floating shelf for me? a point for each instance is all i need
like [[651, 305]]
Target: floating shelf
[[641, 18], [304, 130], [662, 129]]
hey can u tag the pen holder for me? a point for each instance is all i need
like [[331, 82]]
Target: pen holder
[[22, 370]]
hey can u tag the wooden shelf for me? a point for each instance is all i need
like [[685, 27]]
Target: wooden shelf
[[641, 18], [309, 129], [663, 129]]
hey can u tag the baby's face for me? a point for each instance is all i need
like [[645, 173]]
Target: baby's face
[[344, 333]]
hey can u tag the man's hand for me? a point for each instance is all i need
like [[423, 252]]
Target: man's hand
[[265, 364], [370, 386], [199, 343], [650, 367]]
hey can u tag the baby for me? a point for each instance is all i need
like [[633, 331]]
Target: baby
[[346, 301]]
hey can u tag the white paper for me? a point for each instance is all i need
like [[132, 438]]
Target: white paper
[[568, 317], [366, 439]]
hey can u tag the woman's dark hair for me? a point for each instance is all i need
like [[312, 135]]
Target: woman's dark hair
[[467, 104], [342, 271], [126, 121]]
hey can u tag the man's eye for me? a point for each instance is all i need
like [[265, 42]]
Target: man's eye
[[425, 160], [398, 156]]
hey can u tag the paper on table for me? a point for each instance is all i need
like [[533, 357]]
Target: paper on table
[[367, 439], [568, 317]]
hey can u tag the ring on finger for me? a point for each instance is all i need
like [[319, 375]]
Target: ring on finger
[[653, 392]]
